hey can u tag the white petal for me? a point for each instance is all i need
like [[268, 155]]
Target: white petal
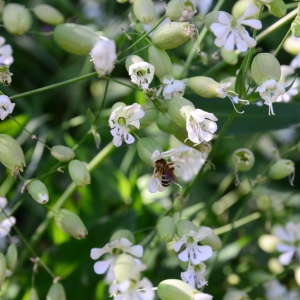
[[256, 24], [172, 152], [229, 44], [177, 245], [251, 10], [203, 233], [184, 255], [128, 138], [285, 258], [100, 267], [152, 187], [136, 250], [117, 141], [156, 155]]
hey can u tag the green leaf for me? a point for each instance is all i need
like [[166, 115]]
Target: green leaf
[[97, 138], [91, 116]]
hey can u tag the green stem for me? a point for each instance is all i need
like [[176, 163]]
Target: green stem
[[122, 83], [144, 36], [103, 102], [282, 42], [53, 86]]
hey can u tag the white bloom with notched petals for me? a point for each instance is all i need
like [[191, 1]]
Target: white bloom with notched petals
[[104, 55], [189, 248], [6, 225], [172, 88], [155, 183], [121, 118], [230, 31], [194, 275], [141, 73], [200, 126], [114, 248], [6, 107], [133, 290], [6, 57], [289, 243], [269, 91]]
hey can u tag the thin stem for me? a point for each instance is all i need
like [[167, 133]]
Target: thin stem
[[53, 86], [103, 102], [282, 42], [122, 83], [144, 36]]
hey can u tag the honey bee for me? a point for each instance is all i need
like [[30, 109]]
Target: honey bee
[[165, 171]]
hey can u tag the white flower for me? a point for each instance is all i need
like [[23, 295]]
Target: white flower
[[203, 6], [5, 53], [160, 180], [141, 73], [290, 242], [5, 75], [133, 290], [276, 291], [269, 91], [121, 118], [6, 225], [114, 248], [192, 159], [230, 31], [194, 275], [189, 248], [202, 296], [104, 55], [6, 107], [200, 126], [296, 62], [3, 203], [172, 88]]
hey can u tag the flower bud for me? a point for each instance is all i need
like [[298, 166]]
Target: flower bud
[[170, 36], [236, 295], [268, 242], [240, 7], [178, 204], [231, 57], [48, 14], [178, 109], [243, 159], [79, 173], [33, 295], [174, 289], [74, 38], [132, 59], [204, 86], [212, 240], [296, 27], [62, 153], [38, 191], [16, 18], [12, 257], [2, 268], [180, 10], [185, 227], [277, 8], [166, 229], [281, 169], [123, 267], [145, 149], [11, 154], [56, 292], [292, 46], [144, 10], [265, 66], [263, 202], [123, 233], [161, 61], [70, 223]]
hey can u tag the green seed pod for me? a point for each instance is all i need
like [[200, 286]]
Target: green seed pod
[[281, 169], [163, 122], [277, 8], [145, 149], [204, 86], [212, 240], [264, 67], [56, 292], [62, 153], [70, 223], [185, 227], [48, 14], [236, 295], [16, 18], [240, 7], [243, 159], [263, 202], [179, 71], [132, 59], [33, 294], [123, 268], [230, 57], [180, 10], [38, 191], [179, 107], [151, 113], [144, 10], [12, 257], [170, 36], [166, 229], [296, 27], [11, 154], [74, 38], [79, 173], [174, 289], [2, 268], [123, 233], [161, 61]]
